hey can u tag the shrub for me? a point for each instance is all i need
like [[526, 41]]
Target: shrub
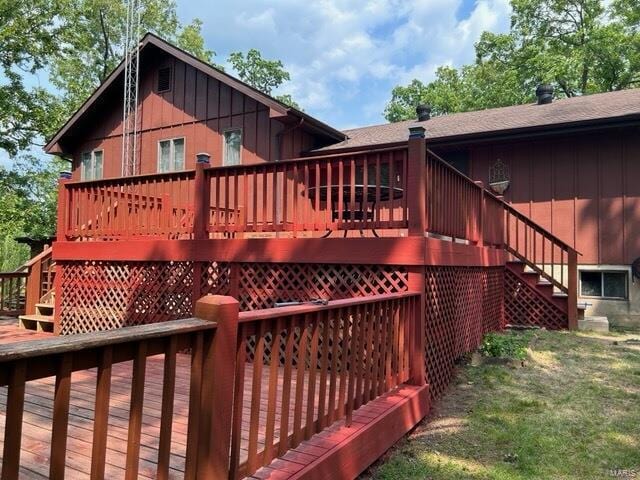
[[505, 345]]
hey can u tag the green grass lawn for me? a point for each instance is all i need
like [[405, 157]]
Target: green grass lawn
[[571, 412]]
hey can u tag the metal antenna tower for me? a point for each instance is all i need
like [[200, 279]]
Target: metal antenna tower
[[130, 165]]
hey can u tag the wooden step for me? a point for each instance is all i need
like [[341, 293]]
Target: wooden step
[[45, 309], [40, 323]]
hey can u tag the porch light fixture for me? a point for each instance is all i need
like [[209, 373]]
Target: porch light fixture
[[203, 157], [499, 178]]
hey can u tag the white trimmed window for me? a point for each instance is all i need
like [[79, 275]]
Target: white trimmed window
[[604, 284], [171, 155], [232, 147], [92, 165]]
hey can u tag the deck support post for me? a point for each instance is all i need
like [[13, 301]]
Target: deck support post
[[61, 235], [481, 214], [202, 203], [416, 182], [216, 404], [572, 285], [63, 206], [416, 204]]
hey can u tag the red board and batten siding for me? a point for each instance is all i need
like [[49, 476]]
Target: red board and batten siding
[[585, 189], [198, 108]]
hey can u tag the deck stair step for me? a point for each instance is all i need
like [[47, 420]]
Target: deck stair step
[[40, 323]]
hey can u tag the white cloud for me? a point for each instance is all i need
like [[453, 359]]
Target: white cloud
[[345, 56]]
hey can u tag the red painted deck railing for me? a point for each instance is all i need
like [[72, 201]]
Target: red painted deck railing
[[319, 362], [460, 208], [12, 293], [338, 192], [145, 205], [60, 357]]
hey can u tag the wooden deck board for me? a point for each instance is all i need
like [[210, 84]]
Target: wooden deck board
[[38, 412], [11, 333]]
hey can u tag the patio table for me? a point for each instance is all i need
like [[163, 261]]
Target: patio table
[[362, 211]]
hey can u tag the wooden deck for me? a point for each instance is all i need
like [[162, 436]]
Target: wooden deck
[[11, 333], [36, 433]]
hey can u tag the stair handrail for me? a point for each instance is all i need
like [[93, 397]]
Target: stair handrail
[[571, 288], [505, 204]]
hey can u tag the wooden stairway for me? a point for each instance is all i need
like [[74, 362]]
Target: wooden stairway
[[532, 300], [43, 318]]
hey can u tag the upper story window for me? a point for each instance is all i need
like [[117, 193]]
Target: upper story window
[[601, 284], [164, 80], [171, 155], [232, 147], [92, 163]]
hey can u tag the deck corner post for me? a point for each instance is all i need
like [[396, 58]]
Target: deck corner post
[[217, 385], [32, 291], [572, 287], [416, 181], [202, 202], [63, 207]]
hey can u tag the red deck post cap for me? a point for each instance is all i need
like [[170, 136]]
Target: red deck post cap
[[203, 157], [417, 132]]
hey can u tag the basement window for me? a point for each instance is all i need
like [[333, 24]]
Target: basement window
[[92, 165], [164, 80], [171, 155], [604, 284]]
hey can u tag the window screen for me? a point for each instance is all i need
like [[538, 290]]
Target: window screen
[[92, 165], [615, 284], [171, 155], [164, 79], [591, 284], [232, 146]]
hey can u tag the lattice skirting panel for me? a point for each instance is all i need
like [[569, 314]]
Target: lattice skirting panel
[[524, 305], [262, 284], [462, 305], [105, 295]]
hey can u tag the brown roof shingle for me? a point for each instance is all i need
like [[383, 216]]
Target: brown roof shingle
[[603, 106]]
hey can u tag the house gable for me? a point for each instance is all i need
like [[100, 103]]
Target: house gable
[[199, 105]]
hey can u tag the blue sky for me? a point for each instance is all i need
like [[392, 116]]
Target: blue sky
[[345, 56]]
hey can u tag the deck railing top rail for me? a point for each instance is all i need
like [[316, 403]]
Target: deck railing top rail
[[84, 341], [286, 311], [130, 178]]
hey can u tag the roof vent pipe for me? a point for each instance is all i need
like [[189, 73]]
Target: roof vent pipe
[[424, 112], [544, 92]]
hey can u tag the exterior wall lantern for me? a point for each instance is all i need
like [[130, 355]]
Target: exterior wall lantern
[[499, 177]]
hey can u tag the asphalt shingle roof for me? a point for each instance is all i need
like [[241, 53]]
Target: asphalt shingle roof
[[612, 105]]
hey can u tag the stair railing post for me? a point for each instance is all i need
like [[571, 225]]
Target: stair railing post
[[216, 401], [416, 203], [572, 284]]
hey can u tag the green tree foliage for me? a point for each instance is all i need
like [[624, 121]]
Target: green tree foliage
[[27, 39], [28, 199], [262, 74], [93, 44], [579, 46], [76, 44]]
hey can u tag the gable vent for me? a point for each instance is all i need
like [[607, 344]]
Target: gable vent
[[164, 80]]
